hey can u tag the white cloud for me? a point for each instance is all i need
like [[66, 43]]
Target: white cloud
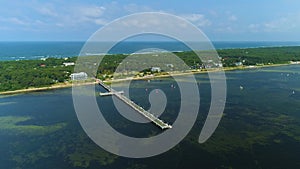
[[17, 21], [4, 28], [281, 24], [213, 13], [225, 29], [39, 22], [232, 18], [14, 20], [24, 24], [254, 27], [197, 19], [100, 21], [133, 8], [286, 23], [143, 23], [47, 10], [88, 14], [59, 25], [76, 16], [91, 11], [60, 15]]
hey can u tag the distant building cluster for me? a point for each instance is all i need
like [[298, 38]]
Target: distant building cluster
[[294, 62], [79, 76], [210, 64]]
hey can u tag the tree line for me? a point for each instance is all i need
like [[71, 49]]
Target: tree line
[[39, 73]]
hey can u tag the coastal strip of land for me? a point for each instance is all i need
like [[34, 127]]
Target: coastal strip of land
[[69, 84], [54, 73]]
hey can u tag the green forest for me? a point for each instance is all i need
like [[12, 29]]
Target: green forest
[[39, 73]]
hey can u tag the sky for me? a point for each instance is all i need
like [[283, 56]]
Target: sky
[[220, 20]]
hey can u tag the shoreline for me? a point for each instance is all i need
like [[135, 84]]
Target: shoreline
[[46, 88], [68, 85]]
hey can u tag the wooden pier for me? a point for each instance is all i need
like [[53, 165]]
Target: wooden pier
[[146, 114]]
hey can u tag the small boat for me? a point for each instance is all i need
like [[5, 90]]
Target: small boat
[[241, 87]]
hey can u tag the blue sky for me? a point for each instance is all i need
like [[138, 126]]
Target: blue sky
[[77, 20]]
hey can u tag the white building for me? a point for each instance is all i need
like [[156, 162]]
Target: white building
[[79, 76], [68, 63], [219, 64], [296, 62], [170, 65], [238, 64], [155, 69]]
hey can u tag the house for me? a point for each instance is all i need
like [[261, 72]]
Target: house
[[219, 64], [68, 63], [296, 62], [170, 65], [238, 64], [155, 69], [79, 76]]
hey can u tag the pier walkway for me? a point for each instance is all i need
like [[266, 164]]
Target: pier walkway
[[119, 95]]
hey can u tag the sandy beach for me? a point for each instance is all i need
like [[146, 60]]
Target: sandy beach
[[34, 89]]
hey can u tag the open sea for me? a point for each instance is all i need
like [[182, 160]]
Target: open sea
[[38, 50]]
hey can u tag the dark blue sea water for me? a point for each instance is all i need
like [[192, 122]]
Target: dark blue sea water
[[260, 128], [38, 50]]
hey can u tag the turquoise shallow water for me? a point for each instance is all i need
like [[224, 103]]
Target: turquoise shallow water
[[260, 128]]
